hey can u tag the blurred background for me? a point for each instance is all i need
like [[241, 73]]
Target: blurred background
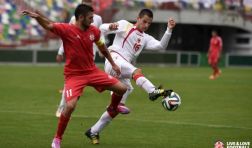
[[22, 40]]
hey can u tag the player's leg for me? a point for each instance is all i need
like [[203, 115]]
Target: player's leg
[[213, 61], [61, 105], [63, 121], [146, 84], [118, 91], [93, 133], [130, 88], [106, 117], [217, 70], [72, 90], [212, 64], [111, 112], [126, 72]]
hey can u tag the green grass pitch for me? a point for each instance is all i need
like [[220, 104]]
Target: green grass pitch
[[210, 110]]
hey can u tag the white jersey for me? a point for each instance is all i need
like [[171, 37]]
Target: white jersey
[[97, 23], [129, 41]]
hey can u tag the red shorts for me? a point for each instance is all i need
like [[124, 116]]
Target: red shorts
[[98, 79], [213, 59]]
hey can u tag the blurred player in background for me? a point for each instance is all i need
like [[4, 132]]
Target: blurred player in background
[[80, 70], [214, 54], [97, 21], [128, 43]]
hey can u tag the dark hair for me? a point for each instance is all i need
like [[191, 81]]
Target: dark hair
[[147, 12], [82, 9]]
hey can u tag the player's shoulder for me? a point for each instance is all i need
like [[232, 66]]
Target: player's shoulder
[[60, 24], [124, 22], [98, 17]]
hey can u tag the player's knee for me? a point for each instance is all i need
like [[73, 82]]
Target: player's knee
[[70, 106], [122, 90], [138, 71]]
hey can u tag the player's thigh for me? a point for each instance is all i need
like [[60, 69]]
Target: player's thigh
[[126, 68], [74, 86]]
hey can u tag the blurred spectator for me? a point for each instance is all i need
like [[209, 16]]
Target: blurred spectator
[[247, 6], [65, 16], [14, 28], [218, 6]]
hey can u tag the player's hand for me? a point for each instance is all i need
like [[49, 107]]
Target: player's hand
[[59, 58], [117, 70], [113, 26], [29, 13], [171, 23]]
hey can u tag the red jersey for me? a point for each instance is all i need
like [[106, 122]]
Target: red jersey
[[215, 45], [78, 46]]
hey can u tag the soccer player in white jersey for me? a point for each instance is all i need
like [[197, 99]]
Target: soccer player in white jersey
[[128, 43], [97, 21]]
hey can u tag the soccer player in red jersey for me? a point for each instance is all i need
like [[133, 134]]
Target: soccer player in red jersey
[[80, 70], [214, 54]]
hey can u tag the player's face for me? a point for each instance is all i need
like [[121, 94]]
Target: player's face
[[87, 20], [214, 34], [143, 23]]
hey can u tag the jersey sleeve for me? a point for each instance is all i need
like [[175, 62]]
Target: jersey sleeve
[[122, 24], [99, 21], [98, 37], [60, 29], [153, 44]]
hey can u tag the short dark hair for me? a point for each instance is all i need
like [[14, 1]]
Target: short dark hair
[[82, 9], [147, 12]]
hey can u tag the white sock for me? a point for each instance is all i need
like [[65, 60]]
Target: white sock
[[145, 84], [101, 123], [62, 101]]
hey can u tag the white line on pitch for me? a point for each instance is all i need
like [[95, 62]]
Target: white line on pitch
[[141, 120]]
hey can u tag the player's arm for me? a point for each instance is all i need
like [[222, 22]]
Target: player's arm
[[111, 28], [60, 55], [41, 19], [43, 16], [154, 44], [103, 49]]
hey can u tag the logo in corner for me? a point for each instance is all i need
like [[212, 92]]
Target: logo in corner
[[219, 144], [91, 37]]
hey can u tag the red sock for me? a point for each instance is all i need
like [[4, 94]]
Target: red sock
[[62, 124], [112, 109]]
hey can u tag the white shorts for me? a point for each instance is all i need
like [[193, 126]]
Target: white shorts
[[126, 68]]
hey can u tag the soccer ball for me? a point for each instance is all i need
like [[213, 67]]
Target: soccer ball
[[172, 102]]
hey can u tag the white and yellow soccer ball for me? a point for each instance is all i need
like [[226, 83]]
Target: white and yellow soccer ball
[[172, 102]]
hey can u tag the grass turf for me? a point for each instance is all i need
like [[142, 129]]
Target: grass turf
[[210, 110]]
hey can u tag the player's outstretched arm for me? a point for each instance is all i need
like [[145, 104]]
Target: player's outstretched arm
[[109, 28], [42, 20], [154, 44], [171, 24]]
